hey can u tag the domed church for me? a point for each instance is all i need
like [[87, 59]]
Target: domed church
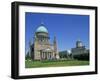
[[42, 49]]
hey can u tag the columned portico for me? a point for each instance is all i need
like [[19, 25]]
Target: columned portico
[[46, 55]]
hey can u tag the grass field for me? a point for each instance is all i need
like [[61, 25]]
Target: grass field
[[34, 64]]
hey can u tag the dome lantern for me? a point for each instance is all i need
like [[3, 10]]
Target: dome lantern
[[79, 44]]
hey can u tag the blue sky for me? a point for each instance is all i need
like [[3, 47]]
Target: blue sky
[[67, 28]]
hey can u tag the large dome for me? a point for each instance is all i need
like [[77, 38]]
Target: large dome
[[42, 28]]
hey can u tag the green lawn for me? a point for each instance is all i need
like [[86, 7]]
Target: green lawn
[[34, 64]]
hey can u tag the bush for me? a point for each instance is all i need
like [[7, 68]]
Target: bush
[[82, 56]]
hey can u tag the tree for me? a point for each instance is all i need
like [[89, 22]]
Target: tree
[[27, 56]]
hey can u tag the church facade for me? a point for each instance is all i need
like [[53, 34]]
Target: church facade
[[42, 49]]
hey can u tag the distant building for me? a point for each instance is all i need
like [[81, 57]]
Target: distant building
[[65, 54], [80, 49], [42, 49]]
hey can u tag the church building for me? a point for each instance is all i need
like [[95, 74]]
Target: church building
[[42, 49]]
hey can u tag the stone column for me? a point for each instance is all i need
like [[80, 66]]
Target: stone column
[[42, 55], [48, 55], [45, 55]]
